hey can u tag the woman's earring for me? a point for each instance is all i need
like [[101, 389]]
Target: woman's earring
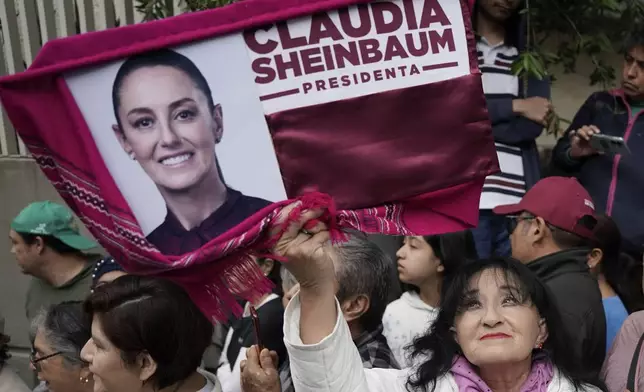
[[84, 380], [540, 346], [132, 156]]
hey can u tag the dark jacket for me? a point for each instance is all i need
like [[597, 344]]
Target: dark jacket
[[579, 301], [616, 183], [510, 128]]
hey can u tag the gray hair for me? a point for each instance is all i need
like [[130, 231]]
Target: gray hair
[[363, 268], [66, 328], [288, 280]]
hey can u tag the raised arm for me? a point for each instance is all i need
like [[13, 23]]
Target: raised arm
[[322, 355]]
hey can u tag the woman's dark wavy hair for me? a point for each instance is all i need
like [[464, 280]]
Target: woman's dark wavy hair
[[452, 249], [141, 314], [622, 272], [440, 344]]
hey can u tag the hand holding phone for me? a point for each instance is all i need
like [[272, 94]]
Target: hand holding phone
[[609, 144], [255, 318]]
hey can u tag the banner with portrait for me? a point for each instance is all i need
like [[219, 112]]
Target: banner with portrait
[[177, 141]]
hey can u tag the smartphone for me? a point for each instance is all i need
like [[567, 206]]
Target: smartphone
[[253, 315], [609, 144]]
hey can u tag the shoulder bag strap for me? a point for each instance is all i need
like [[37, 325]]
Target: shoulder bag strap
[[631, 382]]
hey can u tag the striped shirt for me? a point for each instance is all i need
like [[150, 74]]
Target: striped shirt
[[508, 186]]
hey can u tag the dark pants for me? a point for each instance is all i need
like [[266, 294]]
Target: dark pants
[[491, 236]]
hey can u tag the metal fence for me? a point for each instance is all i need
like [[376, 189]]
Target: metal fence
[[26, 25]]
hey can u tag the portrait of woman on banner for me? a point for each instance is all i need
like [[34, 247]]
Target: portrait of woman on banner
[[168, 122]]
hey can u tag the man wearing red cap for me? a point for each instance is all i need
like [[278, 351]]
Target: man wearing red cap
[[551, 231]]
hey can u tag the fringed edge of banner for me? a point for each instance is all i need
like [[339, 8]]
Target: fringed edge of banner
[[217, 287]]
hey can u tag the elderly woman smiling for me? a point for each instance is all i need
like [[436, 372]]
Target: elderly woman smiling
[[497, 330], [60, 333]]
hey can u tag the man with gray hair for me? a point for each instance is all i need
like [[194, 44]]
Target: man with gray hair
[[363, 272]]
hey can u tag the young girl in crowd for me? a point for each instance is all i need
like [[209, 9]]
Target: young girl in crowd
[[423, 265], [618, 275]]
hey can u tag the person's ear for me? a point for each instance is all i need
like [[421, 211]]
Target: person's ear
[[594, 258], [125, 144], [266, 265], [539, 229], [354, 307], [147, 367], [543, 333], [218, 118], [39, 245]]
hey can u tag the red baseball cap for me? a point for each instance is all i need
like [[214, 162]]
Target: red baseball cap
[[560, 201]]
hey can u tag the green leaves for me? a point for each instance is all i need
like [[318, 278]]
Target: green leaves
[[531, 63], [158, 9], [584, 30]]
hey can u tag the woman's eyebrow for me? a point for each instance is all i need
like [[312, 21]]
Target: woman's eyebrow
[[140, 111], [180, 102]]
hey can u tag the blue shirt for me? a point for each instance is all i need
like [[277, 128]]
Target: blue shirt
[[616, 313]]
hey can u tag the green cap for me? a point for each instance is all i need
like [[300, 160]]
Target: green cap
[[52, 219]]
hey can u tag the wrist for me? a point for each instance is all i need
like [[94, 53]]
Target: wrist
[[573, 154], [518, 106], [317, 290]]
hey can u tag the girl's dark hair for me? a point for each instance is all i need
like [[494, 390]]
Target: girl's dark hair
[[141, 314], [165, 58], [452, 249], [274, 276], [621, 271], [440, 346]]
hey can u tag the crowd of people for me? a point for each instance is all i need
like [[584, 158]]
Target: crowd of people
[[545, 294]]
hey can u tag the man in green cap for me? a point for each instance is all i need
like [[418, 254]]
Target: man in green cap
[[48, 246]]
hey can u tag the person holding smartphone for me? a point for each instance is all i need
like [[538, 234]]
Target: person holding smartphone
[[590, 150]]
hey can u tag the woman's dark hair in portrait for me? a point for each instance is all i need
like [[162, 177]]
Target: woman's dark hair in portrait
[[452, 249], [141, 314], [159, 58], [440, 345], [622, 272]]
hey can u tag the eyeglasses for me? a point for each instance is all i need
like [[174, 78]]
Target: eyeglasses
[[512, 221], [35, 362]]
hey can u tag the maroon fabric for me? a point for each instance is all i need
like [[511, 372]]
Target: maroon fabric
[[48, 120], [448, 116]]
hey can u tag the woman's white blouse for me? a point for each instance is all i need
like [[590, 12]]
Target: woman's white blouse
[[334, 365]]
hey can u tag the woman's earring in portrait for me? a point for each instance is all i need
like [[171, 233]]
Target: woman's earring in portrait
[[84, 380], [132, 157], [539, 346]]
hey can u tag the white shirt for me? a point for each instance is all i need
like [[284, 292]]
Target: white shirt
[[405, 319]]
